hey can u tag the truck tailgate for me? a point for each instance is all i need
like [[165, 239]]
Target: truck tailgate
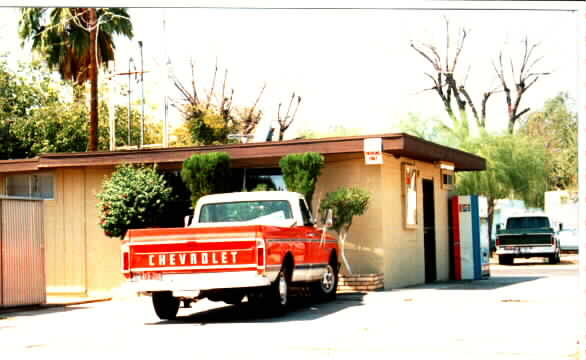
[[192, 250]]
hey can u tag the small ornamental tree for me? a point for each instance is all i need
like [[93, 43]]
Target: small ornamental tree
[[205, 174], [134, 197], [345, 204], [300, 172]]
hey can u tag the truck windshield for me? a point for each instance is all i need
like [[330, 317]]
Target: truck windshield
[[527, 222], [245, 211]]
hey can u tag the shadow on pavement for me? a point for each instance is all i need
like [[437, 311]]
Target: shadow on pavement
[[23, 311], [302, 308], [494, 282]]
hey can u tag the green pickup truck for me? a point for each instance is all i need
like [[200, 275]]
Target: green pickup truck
[[525, 237]]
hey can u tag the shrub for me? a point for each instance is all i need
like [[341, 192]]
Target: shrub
[[345, 204], [205, 174], [134, 197], [300, 172]]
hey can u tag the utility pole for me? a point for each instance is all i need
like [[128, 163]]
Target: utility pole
[[130, 100], [142, 102], [93, 70]]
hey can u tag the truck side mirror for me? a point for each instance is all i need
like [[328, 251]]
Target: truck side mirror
[[187, 220], [329, 218], [498, 227], [561, 226]]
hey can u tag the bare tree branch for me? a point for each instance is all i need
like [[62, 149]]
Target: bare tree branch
[[286, 121]]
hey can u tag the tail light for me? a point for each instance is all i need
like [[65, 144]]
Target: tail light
[[498, 241], [260, 254], [125, 260], [260, 257]]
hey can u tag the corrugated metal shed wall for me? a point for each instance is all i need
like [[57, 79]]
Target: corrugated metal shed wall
[[22, 265]]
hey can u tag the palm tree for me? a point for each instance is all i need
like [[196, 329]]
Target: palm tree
[[64, 38]]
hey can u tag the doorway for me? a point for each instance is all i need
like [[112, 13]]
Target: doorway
[[429, 231]]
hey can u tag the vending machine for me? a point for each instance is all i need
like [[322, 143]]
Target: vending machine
[[469, 237]]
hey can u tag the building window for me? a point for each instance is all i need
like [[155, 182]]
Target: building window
[[259, 178], [448, 179], [38, 186], [409, 185]]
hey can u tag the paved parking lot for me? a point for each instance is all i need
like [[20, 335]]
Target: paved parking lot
[[526, 311]]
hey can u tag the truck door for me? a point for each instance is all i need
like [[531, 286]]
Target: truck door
[[313, 250]]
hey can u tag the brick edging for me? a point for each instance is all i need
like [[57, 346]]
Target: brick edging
[[360, 282]]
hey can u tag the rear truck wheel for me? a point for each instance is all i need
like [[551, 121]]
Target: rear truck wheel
[[325, 288], [506, 260], [278, 292], [554, 259], [234, 299], [166, 306]]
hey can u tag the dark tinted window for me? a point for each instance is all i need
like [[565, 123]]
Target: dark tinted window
[[528, 222]]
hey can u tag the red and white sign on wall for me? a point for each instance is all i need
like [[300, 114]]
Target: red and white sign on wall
[[373, 151]]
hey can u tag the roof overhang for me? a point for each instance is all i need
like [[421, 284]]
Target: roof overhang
[[257, 155]]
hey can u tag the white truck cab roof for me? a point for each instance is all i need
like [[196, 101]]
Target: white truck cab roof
[[296, 202], [249, 196]]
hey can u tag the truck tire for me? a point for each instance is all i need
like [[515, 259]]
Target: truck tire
[[234, 299], [278, 292], [506, 260], [166, 306], [554, 259], [325, 288]]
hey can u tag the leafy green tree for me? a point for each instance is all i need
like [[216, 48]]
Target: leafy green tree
[[205, 174], [21, 93], [210, 116], [209, 125], [153, 132], [555, 127], [301, 171], [433, 129], [517, 165], [59, 127], [62, 127], [134, 197], [346, 203], [516, 168], [64, 38]]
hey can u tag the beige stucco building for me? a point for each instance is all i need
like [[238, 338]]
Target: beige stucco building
[[403, 235]]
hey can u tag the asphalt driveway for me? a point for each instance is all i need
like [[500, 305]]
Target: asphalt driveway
[[521, 312]]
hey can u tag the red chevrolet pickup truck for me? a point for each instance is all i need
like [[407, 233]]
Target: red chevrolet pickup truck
[[250, 244]]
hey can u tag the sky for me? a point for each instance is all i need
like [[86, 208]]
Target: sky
[[352, 67]]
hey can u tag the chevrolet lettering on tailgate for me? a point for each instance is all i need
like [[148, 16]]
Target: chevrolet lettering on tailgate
[[161, 260]]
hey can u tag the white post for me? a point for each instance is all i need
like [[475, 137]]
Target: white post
[[342, 236], [580, 16], [112, 109]]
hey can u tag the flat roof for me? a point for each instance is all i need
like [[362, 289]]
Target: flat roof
[[256, 154]]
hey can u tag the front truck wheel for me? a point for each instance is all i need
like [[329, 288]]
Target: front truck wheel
[[325, 288], [166, 306]]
